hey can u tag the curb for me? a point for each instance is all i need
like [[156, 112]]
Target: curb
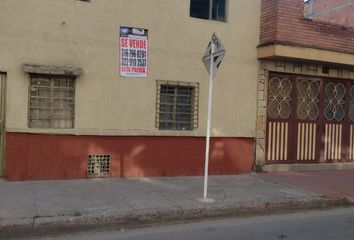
[[40, 226]]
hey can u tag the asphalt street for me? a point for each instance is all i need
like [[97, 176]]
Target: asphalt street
[[313, 225]]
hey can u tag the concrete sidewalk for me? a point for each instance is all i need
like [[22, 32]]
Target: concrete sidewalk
[[39, 207], [331, 183]]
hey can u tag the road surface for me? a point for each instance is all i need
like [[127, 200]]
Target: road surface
[[314, 225]]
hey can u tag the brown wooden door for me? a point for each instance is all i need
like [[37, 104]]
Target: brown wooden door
[[309, 120], [349, 131], [280, 119], [306, 135], [336, 127]]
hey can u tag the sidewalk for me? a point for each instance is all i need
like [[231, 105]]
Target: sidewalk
[[39, 207], [332, 183]]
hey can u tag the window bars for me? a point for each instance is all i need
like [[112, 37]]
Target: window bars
[[51, 101], [177, 105]]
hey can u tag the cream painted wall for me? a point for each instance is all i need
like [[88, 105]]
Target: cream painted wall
[[70, 32]]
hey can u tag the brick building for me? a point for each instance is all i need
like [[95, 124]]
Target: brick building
[[305, 94], [334, 11]]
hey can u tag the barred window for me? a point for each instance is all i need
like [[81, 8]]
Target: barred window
[[51, 101], [177, 105]]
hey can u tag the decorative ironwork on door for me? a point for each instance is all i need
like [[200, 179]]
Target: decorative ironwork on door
[[315, 116], [308, 99], [308, 91], [334, 114], [334, 109], [279, 111]]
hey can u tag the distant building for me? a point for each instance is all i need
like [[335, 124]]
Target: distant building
[[334, 11], [305, 116]]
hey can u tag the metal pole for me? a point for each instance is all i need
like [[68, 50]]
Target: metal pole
[[210, 96]]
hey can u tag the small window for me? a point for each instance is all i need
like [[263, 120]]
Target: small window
[[51, 101], [177, 105], [208, 9]]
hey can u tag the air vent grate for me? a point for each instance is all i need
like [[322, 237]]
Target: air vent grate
[[98, 165]]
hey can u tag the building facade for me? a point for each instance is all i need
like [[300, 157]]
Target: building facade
[[305, 90], [103, 89], [72, 105], [334, 11]]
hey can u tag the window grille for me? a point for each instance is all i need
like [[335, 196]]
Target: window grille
[[177, 105], [98, 165], [308, 93], [279, 98], [51, 101], [208, 9]]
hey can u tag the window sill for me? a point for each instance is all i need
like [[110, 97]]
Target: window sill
[[209, 20]]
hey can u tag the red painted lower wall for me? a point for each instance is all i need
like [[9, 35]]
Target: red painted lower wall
[[34, 157]]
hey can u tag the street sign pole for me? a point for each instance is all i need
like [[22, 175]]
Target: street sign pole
[[212, 60], [210, 97]]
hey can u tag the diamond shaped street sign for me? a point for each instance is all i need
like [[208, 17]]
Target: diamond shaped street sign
[[217, 53], [212, 60]]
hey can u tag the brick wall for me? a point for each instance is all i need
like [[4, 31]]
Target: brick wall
[[335, 11], [321, 5], [269, 18], [343, 16], [283, 22]]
